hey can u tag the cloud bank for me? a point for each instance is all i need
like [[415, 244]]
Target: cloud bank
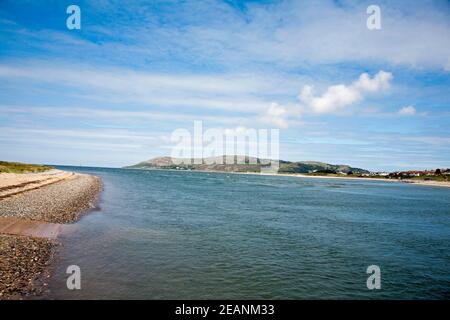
[[337, 97]]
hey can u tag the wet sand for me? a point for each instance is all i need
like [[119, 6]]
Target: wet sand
[[33, 208], [37, 229]]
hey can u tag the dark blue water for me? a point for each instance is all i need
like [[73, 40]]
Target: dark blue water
[[193, 235]]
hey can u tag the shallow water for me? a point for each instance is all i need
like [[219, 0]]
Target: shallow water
[[193, 235]]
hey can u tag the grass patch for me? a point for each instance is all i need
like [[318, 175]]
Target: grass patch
[[17, 167], [441, 177]]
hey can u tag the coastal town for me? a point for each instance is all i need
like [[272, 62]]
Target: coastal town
[[437, 174]]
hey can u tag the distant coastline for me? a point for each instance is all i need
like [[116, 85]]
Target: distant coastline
[[305, 169], [418, 182], [441, 184]]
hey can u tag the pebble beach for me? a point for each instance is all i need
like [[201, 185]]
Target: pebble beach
[[56, 197]]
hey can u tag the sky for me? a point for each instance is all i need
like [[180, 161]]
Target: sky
[[111, 93]]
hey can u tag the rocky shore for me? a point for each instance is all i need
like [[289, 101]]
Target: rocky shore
[[61, 202], [24, 260]]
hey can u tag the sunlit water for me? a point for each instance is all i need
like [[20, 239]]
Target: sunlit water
[[193, 235]]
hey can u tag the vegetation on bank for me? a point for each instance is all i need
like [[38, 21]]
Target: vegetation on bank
[[440, 177], [17, 167]]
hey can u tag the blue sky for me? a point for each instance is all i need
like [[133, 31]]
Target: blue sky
[[111, 93]]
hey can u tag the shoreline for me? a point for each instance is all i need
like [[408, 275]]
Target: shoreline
[[431, 183], [410, 181], [31, 200]]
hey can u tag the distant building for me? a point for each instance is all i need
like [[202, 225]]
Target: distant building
[[411, 174]]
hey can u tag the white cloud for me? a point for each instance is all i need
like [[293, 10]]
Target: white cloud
[[332, 33], [287, 33], [407, 111], [381, 81], [231, 91], [337, 97], [294, 32], [433, 140], [124, 118], [276, 115]]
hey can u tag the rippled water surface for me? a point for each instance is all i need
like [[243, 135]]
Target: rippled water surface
[[193, 235]]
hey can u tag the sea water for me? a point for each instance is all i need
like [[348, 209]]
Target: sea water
[[193, 235]]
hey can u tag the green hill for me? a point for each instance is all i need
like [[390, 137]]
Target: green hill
[[250, 165]]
